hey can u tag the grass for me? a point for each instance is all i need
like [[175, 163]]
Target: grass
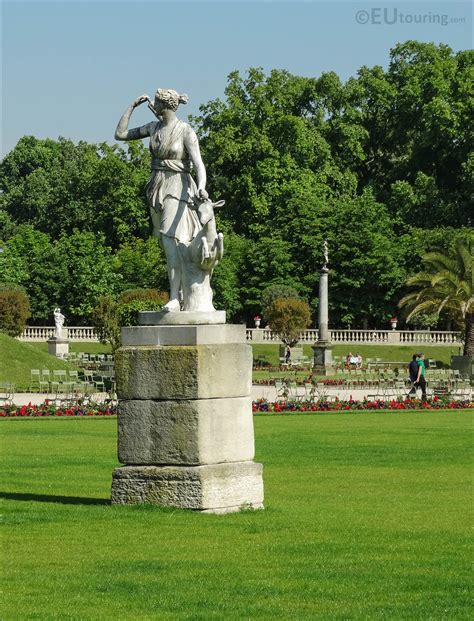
[[367, 517], [86, 347], [17, 359]]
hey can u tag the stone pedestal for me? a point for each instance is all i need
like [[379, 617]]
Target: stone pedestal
[[323, 362], [185, 424], [58, 347]]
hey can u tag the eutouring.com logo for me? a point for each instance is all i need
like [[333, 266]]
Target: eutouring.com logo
[[389, 16]]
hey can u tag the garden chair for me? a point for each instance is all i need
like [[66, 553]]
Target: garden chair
[[281, 389], [293, 391], [308, 392], [7, 392], [400, 388], [88, 376], [35, 379], [45, 380], [99, 384]]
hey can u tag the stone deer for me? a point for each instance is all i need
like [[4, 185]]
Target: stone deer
[[200, 257]]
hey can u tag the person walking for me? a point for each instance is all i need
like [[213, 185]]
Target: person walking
[[421, 380], [413, 374]]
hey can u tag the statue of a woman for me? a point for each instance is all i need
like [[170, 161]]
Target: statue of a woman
[[171, 189], [59, 322]]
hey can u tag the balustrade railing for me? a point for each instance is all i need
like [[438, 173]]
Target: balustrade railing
[[368, 337], [254, 335], [43, 333]]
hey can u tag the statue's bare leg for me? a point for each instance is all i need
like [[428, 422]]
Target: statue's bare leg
[[170, 246]]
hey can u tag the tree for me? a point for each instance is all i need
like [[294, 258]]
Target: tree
[[109, 315], [287, 317], [14, 309], [445, 287], [140, 264], [273, 292], [58, 186], [105, 319], [87, 261]]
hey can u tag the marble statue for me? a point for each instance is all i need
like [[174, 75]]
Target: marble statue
[[181, 211], [326, 254], [58, 322]]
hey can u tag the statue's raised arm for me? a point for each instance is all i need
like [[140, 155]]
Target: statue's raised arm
[[123, 133]]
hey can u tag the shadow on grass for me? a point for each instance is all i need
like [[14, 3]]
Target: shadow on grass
[[63, 500]]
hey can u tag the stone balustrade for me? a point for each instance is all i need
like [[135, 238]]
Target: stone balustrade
[[254, 335], [366, 337], [74, 333]]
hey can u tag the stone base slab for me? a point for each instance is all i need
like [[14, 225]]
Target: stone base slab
[[170, 318], [220, 488], [133, 336], [184, 372], [194, 432]]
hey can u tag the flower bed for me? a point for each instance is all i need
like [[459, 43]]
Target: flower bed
[[48, 409], [262, 405]]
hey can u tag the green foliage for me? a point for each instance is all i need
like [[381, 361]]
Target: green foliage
[[287, 317], [106, 321], [57, 186], [110, 315], [140, 263], [273, 292], [445, 287], [14, 309], [130, 303]]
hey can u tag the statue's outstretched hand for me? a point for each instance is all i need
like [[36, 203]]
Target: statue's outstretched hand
[[203, 195], [139, 100]]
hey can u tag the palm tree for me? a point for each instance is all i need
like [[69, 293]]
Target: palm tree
[[445, 286]]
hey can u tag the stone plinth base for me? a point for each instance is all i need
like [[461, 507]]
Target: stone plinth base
[[184, 371], [185, 423], [191, 432], [181, 318], [216, 488], [323, 363], [58, 347], [136, 336]]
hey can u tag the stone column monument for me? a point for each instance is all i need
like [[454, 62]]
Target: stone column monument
[[323, 364], [184, 376], [58, 345]]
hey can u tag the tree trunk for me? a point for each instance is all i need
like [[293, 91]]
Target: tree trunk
[[469, 335]]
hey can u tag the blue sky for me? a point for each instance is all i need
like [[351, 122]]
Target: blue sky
[[71, 68]]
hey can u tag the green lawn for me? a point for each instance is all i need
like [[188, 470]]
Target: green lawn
[[367, 517], [18, 358], [84, 346]]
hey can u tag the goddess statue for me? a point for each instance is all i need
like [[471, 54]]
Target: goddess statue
[[181, 212]]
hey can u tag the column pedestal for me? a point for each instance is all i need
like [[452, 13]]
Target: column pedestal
[[58, 347], [185, 423], [323, 362]]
